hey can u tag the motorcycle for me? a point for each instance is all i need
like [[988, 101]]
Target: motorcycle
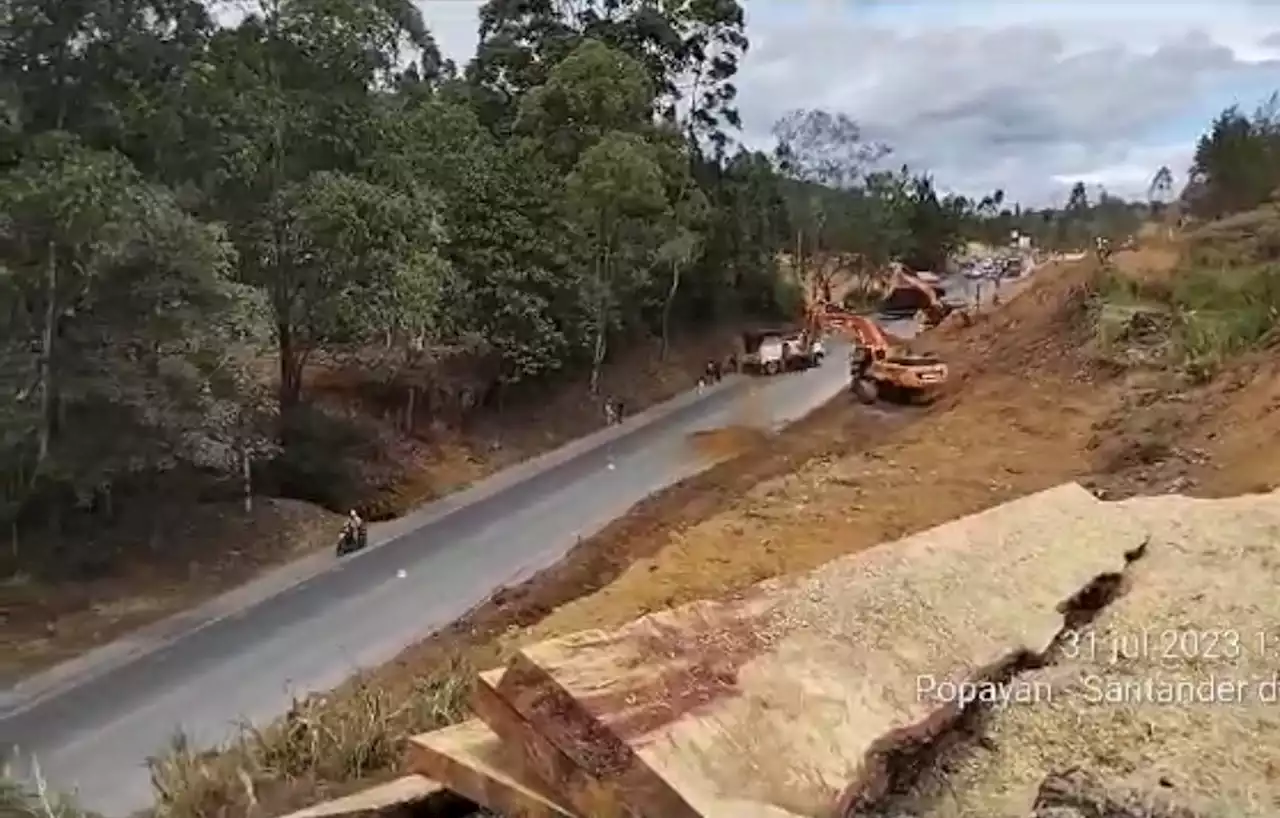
[[352, 540]]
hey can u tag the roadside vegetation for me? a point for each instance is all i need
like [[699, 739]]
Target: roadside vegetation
[[32, 798], [1212, 292]]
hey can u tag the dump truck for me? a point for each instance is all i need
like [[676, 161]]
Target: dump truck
[[771, 351]]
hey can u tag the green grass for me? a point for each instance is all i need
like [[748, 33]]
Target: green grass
[[1223, 300]]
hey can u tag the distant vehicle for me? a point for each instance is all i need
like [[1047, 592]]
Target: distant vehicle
[[771, 351], [763, 352]]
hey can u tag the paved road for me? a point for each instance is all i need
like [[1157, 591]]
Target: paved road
[[94, 736]]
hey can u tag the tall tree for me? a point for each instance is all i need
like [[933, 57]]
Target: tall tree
[[690, 51], [114, 298], [1237, 161]]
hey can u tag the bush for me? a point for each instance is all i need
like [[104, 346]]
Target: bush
[[319, 461], [1224, 312]]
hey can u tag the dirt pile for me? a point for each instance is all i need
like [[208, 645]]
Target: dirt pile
[[1201, 407], [716, 445], [1039, 332]]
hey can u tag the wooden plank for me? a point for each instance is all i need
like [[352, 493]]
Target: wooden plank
[[544, 761], [782, 702], [470, 760]]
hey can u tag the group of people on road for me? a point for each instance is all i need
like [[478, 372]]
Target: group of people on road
[[715, 371]]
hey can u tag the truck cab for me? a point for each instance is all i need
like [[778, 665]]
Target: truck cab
[[764, 352]]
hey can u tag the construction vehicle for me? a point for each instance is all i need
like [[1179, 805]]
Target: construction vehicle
[[876, 369], [771, 351], [910, 297]]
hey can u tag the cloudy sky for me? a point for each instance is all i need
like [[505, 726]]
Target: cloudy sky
[[1027, 95]]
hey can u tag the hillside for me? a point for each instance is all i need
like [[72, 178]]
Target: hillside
[[1046, 391]]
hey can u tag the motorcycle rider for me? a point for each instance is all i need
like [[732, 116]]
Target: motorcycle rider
[[355, 534]]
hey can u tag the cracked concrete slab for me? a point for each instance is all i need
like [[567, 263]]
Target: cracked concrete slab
[[1173, 689], [784, 700]]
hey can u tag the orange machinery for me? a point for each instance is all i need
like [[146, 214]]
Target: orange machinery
[[876, 369], [934, 309]]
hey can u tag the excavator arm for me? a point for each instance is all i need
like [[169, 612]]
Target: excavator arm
[[934, 310]]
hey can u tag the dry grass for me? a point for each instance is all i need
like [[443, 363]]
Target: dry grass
[[32, 798], [353, 734]]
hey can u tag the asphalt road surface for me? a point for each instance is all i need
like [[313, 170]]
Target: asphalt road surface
[[92, 732]]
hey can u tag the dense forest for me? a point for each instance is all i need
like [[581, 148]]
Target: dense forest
[[193, 212]]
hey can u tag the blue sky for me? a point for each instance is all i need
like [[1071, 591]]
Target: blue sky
[[1026, 96]]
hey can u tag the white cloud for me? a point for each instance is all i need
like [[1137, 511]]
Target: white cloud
[[1000, 93]]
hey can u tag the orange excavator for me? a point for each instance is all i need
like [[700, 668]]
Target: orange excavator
[[876, 369], [922, 297]]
